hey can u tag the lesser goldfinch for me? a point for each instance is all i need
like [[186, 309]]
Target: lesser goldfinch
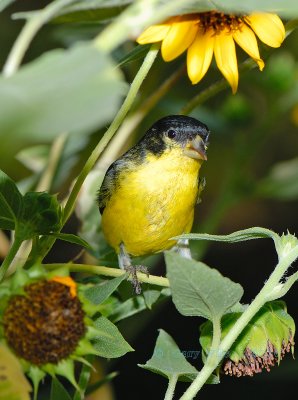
[[148, 195]]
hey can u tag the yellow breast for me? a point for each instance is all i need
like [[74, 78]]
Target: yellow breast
[[152, 203]]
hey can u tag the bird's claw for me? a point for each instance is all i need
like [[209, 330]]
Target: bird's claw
[[132, 275]]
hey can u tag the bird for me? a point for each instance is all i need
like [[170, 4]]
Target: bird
[[148, 195]]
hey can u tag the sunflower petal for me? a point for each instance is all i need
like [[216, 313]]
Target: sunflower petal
[[268, 27], [154, 33], [199, 55], [178, 39], [246, 39], [225, 56]]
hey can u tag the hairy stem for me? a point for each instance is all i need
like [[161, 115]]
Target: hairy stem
[[171, 387]]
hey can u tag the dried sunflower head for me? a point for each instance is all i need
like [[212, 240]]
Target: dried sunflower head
[[45, 323]]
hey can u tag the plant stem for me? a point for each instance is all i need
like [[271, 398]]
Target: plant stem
[[171, 387], [241, 323], [48, 175], [129, 100], [28, 32], [10, 257], [203, 96], [112, 272]]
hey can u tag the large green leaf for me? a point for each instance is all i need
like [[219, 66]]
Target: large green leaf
[[167, 360], [13, 384], [62, 91], [111, 343], [11, 202], [199, 290]]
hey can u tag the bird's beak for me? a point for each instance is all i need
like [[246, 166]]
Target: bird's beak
[[196, 149]]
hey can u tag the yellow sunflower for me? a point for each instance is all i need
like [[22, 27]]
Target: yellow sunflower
[[203, 34]]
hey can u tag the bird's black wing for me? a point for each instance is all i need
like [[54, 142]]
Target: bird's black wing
[[107, 187]]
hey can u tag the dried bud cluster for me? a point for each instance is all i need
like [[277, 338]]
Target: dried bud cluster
[[251, 364]]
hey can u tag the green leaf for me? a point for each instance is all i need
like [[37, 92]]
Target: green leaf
[[238, 236], [83, 380], [58, 391], [10, 202], [97, 294], [151, 296], [137, 53], [13, 384], [71, 238], [62, 91], [41, 215], [198, 290], [167, 360], [281, 182], [111, 344]]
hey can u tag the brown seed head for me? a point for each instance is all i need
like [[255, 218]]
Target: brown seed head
[[45, 324]]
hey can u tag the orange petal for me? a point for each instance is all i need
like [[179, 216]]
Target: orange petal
[[247, 40], [154, 33], [225, 56], [178, 39], [199, 55], [268, 27], [67, 281]]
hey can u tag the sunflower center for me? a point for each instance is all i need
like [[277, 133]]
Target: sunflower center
[[45, 324], [219, 21]]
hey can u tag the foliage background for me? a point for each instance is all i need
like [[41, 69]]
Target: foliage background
[[252, 132]]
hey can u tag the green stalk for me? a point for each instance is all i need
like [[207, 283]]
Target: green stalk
[[10, 257], [111, 272], [263, 296], [171, 387], [126, 106], [32, 26]]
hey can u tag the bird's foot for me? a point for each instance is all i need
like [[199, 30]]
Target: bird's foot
[[133, 277]]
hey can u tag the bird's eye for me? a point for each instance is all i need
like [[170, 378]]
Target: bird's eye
[[171, 134]]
